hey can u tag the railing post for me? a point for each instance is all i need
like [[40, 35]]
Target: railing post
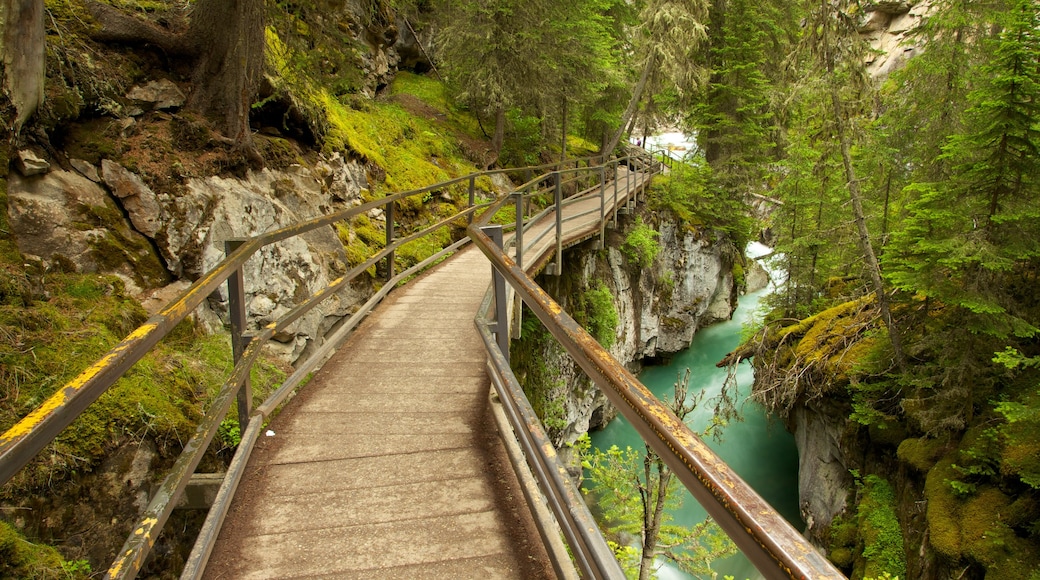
[[558, 269], [518, 236], [472, 195], [501, 326], [389, 240], [617, 184], [602, 207], [628, 180], [236, 286]]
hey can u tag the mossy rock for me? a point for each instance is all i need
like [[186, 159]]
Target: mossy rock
[[920, 453], [977, 528], [943, 509], [20, 558], [892, 433]]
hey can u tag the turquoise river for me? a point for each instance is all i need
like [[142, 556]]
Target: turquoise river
[[760, 450]]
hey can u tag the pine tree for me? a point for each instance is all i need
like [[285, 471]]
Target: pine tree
[[972, 241], [734, 123]]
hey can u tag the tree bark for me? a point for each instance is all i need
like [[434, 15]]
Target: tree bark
[[23, 55], [633, 104], [499, 137], [230, 34], [226, 41]]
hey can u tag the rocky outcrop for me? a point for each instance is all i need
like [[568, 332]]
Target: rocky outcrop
[[887, 26], [66, 220], [689, 285], [823, 470]]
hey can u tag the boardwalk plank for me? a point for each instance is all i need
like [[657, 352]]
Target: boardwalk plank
[[385, 465]]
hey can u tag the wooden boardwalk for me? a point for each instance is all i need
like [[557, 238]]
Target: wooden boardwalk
[[388, 464]]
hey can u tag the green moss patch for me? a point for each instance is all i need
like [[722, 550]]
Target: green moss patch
[[49, 341], [20, 558], [879, 529], [978, 526]]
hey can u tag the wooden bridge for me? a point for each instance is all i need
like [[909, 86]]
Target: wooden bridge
[[397, 460], [389, 463]]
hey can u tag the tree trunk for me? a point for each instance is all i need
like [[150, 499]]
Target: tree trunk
[[563, 134], [652, 520], [23, 55], [230, 34], [226, 40], [499, 137], [633, 104], [863, 239]]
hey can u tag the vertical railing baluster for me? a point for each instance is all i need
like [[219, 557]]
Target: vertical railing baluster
[[558, 269], [389, 240], [518, 237], [236, 286], [501, 325], [472, 195], [602, 207], [617, 184]]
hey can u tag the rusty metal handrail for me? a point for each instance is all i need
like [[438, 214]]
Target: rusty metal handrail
[[775, 548], [23, 441]]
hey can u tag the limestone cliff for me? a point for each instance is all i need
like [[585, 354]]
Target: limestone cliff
[[689, 284]]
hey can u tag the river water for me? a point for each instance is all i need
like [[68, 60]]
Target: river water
[[761, 451]]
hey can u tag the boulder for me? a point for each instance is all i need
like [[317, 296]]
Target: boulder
[[160, 94], [86, 169], [68, 221], [140, 202], [29, 163]]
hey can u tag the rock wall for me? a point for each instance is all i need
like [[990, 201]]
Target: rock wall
[[888, 26], [106, 219], [689, 285]]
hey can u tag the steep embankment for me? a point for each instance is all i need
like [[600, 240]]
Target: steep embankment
[[121, 199], [643, 297]]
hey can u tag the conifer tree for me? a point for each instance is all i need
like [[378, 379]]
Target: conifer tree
[[734, 122], [665, 44], [973, 240]]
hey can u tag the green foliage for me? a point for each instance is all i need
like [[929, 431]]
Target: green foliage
[[596, 312], [965, 242], [497, 61], [637, 493], [641, 245], [879, 528], [614, 475], [734, 123], [20, 558], [690, 193]]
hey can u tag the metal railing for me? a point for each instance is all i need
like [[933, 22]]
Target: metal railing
[[751, 521], [27, 438], [775, 548]]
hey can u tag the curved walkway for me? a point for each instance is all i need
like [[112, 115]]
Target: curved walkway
[[387, 465]]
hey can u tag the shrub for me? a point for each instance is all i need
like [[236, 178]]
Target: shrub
[[641, 245]]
